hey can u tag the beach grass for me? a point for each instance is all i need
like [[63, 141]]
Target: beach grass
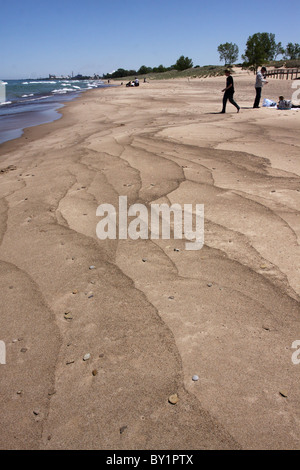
[[194, 72]]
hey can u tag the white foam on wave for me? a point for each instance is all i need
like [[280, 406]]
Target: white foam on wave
[[39, 98], [68, 84], [63, 90], [39, 83], [5, 102], [59, 91]]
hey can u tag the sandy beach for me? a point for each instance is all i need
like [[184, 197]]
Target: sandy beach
[[151, 314]]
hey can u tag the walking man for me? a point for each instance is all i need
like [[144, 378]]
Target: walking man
[[228, 92], [260, 81]]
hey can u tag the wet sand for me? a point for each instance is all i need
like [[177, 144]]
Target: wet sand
[[151, 317]]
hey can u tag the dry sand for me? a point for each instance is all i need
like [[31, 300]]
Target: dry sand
[[150, 326]]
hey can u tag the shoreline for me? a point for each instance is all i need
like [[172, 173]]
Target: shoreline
[[41, 109], [228, 313], [17, 131], [39, 130]]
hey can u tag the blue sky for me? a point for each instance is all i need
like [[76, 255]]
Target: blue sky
[[39, 37]]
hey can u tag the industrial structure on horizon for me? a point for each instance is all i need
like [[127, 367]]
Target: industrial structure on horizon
[[72, 77]]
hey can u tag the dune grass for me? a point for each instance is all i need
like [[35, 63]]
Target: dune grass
[[195, 72]]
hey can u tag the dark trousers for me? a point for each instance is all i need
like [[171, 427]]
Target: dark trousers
[[228, 96], [257, 98]]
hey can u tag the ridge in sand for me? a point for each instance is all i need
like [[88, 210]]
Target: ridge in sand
[[150, 317]]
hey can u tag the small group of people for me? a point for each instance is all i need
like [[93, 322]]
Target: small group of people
[[229, 90], [134, 82]]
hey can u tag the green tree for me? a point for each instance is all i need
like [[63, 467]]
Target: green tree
[[143, 70], [279, 50], [159, 69], [270, 45], [260, 48], [292, 51], [119, 73], [228, 52], [183, 63]]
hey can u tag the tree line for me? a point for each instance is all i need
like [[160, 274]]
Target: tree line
[[260, 48], [182, 63]]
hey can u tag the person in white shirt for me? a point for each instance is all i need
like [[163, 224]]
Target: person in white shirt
[[260, 82]]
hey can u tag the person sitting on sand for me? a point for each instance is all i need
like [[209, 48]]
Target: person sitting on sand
[[136, 82], [285, 104], [228, 92]]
